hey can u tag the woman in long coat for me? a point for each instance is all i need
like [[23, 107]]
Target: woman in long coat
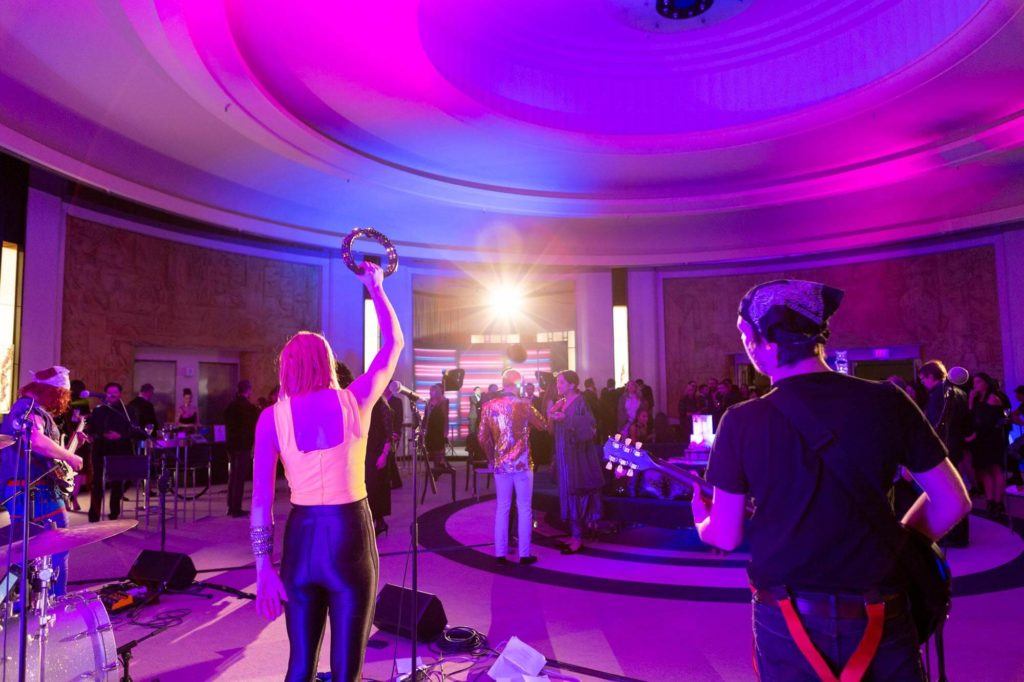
[[577, 459]]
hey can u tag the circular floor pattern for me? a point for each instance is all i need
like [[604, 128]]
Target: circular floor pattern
[[994, 562]]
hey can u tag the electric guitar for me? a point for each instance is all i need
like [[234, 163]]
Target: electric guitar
[[61, 474], [628, 459]]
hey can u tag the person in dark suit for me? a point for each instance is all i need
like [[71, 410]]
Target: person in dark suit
[[240, 419], [143, 406], [112, 427]]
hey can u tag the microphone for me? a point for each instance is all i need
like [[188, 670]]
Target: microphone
[[958, 376], [92, 394], [397, 388]]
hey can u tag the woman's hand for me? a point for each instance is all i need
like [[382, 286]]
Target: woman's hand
[[74, 461], [372, 276], [270, 593]]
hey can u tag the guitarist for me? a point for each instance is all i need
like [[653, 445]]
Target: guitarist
[[829, 598], [47, 394]]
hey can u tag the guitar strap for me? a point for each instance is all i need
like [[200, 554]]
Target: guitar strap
[[817, 439]]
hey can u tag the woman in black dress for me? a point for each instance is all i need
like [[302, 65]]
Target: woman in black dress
[[436, 436], [988, 442]]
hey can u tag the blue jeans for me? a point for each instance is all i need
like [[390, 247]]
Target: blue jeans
[[504, 484], [47, 506], [898, 658]]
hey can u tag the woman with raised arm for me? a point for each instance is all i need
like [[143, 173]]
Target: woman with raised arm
[[329, 564]]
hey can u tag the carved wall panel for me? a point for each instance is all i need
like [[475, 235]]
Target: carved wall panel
[[946, 302], [124, 290]]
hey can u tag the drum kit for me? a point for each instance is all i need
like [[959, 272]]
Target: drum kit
[[70, 636]]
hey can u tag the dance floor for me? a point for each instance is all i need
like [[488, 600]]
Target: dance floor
[[644, 604]]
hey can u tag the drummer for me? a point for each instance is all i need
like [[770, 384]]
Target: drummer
[[48, 394]]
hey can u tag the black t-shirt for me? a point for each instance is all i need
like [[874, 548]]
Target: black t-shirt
[[806, 533]]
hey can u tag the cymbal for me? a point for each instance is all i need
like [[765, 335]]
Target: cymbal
[[57, 540], [6, 440]]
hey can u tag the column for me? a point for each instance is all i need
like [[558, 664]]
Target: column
[[400, 291], [594, 342], [43, 282], [343, 313], [645, 345], [1009, 274]]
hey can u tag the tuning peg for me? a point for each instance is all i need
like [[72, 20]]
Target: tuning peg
[[618, 437], [629, 472], [609, 466], [628, 441], [619, 469], [638, 445]]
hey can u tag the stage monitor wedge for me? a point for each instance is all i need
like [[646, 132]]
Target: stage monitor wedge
[[430, 618]]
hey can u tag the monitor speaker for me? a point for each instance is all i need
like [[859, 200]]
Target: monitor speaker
[[517, 353], [153, 568], [429, 618], [452, 379]]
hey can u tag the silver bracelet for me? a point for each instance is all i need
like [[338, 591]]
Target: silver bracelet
[[262, 539]]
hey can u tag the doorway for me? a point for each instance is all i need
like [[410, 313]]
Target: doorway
[[163, 375], [218, 384]]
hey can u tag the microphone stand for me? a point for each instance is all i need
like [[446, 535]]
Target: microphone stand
[[25, 457], [414, 672]]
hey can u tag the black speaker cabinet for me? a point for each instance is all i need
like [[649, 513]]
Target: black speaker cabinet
[[153, 568], [452, 379], [429, 617]]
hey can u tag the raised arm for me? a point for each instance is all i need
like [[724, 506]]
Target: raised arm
[[370, 386]]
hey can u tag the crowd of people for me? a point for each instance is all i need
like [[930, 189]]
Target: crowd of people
[[976, 421]]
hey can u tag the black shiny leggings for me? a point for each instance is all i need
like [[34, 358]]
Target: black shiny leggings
[[329, 568]]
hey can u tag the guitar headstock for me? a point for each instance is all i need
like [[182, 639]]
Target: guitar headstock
[[625, 457]]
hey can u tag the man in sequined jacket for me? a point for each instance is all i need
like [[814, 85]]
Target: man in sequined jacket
[[504, 436]]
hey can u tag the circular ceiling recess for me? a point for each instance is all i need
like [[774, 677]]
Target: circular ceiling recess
[[606, 67]]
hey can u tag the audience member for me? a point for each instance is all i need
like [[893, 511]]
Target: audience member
[[111, 427], [988, 441], [1016, 449], [629, 404], [240, 417], [641, 429], [646, 392], [435, 437], [578, 459], [473, 425], [187, 415], [689, 405], [144, 410], [505, 424]]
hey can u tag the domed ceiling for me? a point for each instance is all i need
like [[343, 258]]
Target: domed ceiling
[[598, 133]]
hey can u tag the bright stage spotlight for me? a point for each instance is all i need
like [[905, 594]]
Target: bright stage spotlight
[[505, 301]]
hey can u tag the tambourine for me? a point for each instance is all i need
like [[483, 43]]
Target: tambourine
[[369, 233]]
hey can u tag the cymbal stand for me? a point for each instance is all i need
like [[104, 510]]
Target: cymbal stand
[[44, 573]]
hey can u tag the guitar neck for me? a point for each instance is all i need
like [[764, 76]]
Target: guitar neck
[[75, 442], [683, 475]]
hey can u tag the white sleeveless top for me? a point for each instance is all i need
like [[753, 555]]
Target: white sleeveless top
[[335, 475]]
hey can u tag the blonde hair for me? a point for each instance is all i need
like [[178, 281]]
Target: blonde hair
[[307, 364]]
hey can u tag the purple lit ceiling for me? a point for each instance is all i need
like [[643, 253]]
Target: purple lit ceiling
[[585, 132]]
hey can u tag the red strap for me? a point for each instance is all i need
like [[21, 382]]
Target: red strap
[[804, 643], [868, 647], [861, 659]]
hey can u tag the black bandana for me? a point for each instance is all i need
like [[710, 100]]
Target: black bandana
[[788, 311]]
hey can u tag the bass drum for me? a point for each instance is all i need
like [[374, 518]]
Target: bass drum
[[79, 644]]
